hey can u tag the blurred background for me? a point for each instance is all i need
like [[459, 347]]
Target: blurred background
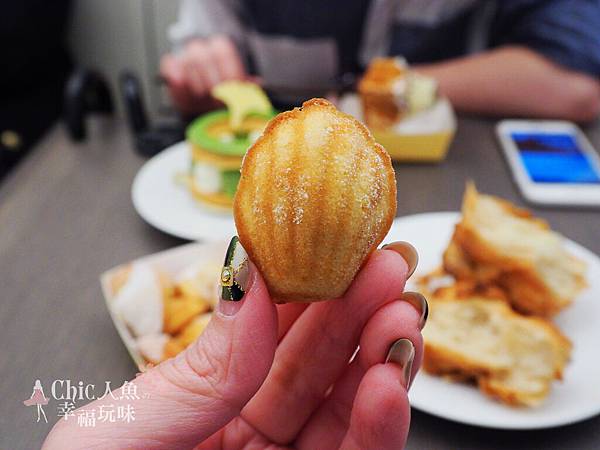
[[46, 44], [114, 50], [96, 97]]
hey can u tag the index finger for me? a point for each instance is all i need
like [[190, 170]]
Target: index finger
[[396, 320]]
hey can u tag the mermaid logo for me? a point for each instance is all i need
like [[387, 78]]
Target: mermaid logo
[[38, 399]]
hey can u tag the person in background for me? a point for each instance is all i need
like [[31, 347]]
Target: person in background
[[35, 66], [534, 58]]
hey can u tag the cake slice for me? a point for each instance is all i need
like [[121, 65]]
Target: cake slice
[[512, 358], [389, 91]]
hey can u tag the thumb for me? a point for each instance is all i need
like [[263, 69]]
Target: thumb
[[188, 398]]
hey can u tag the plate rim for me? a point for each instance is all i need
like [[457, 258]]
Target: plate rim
[[135, 195]]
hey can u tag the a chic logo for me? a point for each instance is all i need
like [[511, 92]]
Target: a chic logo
[[117, 408]]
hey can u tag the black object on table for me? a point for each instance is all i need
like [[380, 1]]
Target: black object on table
[[149, 139]]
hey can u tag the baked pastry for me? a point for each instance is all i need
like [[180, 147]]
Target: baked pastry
[[389, 91], [219, 140], [511, 357], [316, 196], [498, 243]]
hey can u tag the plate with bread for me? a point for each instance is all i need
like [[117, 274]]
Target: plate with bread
[[512, 336]]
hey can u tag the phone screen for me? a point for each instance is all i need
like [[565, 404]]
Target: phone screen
[[554, 158]]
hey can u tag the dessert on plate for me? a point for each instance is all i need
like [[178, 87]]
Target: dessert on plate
[[390, 91], [218, 141], [316, 196], [403, 110]]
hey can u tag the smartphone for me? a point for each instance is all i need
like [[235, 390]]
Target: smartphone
[[552, 162]]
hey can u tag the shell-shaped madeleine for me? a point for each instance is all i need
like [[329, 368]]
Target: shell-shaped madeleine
[[316, 197]]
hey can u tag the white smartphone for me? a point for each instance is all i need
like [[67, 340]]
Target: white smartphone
[[552, 162]]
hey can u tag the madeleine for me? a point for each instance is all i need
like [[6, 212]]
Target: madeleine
[[316, 196]]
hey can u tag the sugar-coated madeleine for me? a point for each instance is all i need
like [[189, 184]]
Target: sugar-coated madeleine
[[316, 196]]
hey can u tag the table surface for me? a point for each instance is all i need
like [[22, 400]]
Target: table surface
[[66, 216]]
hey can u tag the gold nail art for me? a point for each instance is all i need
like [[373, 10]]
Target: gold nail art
[[227, 276], [234, 274]]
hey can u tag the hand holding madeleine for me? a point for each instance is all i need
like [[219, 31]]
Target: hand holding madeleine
[[279, 375], [316, 197]]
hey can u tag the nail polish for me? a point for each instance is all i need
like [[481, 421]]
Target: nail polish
[[419, 302], [402, 353], [235, 277], [407, 251]]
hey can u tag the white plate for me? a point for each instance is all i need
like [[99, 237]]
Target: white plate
[[168, 206], [576, 398]]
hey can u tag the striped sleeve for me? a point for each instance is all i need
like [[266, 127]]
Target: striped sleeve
[[565, 31]]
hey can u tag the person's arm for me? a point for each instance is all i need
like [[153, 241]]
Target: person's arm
[[545, 62], [204, 19], [517, 81]]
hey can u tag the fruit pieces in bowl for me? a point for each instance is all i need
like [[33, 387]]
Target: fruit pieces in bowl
[[160, 306]]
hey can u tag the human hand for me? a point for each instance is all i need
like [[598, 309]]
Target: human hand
[[278, 376], [203, 63]]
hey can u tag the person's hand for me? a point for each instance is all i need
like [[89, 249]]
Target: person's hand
[[280, 376], [203, 63]]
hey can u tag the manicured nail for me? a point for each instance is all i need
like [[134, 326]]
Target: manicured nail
[[420, 304], [235, 276], [402, 352], [407, 251]]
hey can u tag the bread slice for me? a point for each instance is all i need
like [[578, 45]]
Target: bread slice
[[498, 243], [513, 358]]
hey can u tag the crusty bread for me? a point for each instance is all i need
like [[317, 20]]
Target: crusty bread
[[498, 243], [513, 358]]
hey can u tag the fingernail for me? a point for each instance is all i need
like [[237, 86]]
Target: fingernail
[[407, 251], [235, 277], [402, 352], [420, 304]]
